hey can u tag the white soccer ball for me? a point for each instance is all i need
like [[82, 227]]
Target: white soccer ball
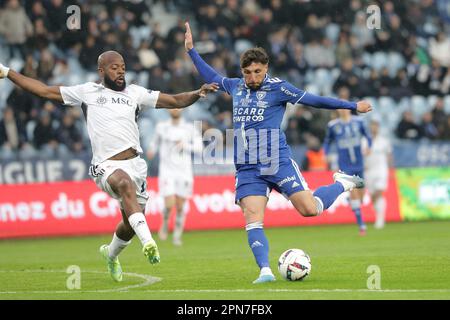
[[294, 265]]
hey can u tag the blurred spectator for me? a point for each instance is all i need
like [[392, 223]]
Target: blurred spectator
[[12, 134], [69, 135], [22, 103], [15, 26], [439, 116], [363, 35], [221, 109], [157, 80], [428, 127], [315, 159], [408, 128], [440, 49], [45, 137]]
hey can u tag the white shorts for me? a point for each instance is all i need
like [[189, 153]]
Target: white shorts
[[136, 168], [376, 181], [180, 186]]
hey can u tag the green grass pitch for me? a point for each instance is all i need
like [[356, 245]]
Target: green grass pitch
[[414, 262]]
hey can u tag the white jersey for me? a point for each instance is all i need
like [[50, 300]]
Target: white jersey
[[377, 159], [175, 144], [111, 116]]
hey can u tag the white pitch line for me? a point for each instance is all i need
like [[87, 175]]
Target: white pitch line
[[148, 280]]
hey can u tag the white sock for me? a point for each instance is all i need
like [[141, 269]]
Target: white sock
[[265, 271], [179, 224], [116, 246], [380, 209], [319, 205], [165, 219], [140, 227], [355, 204]]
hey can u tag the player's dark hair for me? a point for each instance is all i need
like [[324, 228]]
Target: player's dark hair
[[257, 55]]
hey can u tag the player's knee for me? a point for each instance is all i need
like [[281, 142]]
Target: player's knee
[[309, 210], [250, 212], [125, 186]]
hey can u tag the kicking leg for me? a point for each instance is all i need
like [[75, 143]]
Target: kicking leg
[[122, 185], [253, 208]]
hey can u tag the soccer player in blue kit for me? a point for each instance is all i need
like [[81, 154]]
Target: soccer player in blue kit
[[347, 132], [262, 157]]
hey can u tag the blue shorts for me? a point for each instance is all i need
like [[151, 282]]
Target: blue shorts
[[287, 180]]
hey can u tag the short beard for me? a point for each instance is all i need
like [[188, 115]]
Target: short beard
[[114, 86]]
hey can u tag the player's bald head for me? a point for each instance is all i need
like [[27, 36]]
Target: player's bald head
[[111, 69], [109, 57]]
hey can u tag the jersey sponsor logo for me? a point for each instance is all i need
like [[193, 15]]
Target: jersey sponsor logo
[[248, 114], [295, 185], [289, 93], [101, 100], [262, 104], [120, 100], [286, 180]]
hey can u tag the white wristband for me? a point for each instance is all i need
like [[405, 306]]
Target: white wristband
[[3, 71]]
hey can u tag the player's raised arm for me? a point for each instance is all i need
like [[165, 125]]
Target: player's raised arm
[[205, 70], [31, 85], [185, 99]]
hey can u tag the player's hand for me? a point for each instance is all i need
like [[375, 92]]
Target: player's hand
[[363, 106], [208, 88], [3, 71], [188, 42]]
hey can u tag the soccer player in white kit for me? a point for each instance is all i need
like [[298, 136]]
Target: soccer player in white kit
[[175, 178], [376, 167], [111, 108]]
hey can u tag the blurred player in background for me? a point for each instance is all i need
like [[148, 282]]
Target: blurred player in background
[[347, 131], [259, 104], [111, 108], [175, 140], [377, 163]]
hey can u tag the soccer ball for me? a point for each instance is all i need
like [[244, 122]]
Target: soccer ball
[[294, 265]]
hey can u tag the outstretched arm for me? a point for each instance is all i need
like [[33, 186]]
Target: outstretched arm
[[31, 85], [185, 99], [290, 93], [332, 103], [205, 70]]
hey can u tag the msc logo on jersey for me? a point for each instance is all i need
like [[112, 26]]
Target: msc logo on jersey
[[101, 100], [121, 101]]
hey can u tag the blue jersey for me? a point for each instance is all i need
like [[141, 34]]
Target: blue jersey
[[257, 115], [348, 137]]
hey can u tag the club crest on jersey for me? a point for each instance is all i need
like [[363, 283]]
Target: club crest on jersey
[[101, 100], [261, 95]]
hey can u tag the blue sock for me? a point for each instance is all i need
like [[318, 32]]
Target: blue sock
[[356, 208], [328, 194], [258, 243]]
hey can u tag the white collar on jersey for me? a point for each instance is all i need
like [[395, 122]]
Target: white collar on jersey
[[101, 86]]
